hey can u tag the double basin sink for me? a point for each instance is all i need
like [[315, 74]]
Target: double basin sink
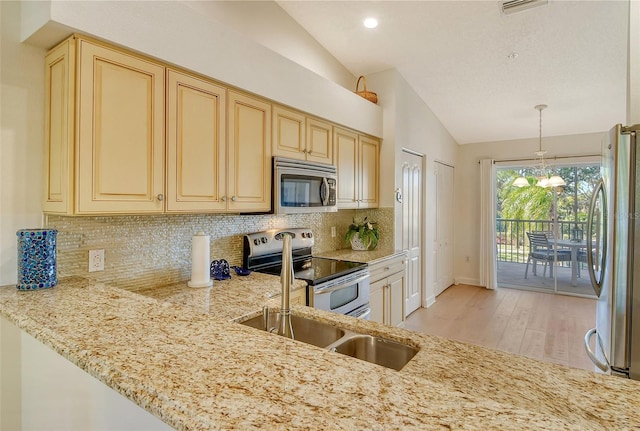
[[377, 350]]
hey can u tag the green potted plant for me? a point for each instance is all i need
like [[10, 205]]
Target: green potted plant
[[363, 236]]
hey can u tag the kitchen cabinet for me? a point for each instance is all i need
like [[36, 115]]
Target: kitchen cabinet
[[249, 153], [59, 121], [387, 288], [104, 144], [110, 118], [299, 137], [298, 296], [196, 148], [120, 119], [357, 160]]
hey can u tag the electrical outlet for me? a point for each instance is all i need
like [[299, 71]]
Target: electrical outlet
[[96, 260], [333, 231]]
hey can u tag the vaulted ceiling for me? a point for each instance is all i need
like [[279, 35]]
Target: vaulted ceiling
[[482, 72]]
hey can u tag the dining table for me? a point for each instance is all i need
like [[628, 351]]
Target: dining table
[[575, 247]]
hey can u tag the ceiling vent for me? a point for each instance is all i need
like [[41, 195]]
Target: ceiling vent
[[514, 6]]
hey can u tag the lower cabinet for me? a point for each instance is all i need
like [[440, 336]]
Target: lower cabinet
[[299, 296], [387, 287]]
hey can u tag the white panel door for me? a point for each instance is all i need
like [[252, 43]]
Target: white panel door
[[444, 227], [412, 227]]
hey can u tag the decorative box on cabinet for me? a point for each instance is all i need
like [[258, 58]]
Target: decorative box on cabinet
[[357, 160], [387, 287], [299, 137]]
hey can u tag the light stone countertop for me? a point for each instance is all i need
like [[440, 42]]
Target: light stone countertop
[[207, 372]]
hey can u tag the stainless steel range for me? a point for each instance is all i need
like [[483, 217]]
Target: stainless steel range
[[334, 285]]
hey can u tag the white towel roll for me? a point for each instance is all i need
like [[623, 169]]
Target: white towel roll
[[200, 261]]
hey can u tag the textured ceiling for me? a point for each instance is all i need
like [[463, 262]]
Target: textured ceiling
[[572, 56]]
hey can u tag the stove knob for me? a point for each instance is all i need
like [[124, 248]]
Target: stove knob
[[256, 242], [264, 240], [309, 235]]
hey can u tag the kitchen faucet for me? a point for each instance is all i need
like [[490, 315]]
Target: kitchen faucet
[[286, 278]]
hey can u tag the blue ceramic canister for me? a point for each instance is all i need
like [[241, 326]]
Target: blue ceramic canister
[[36, 259]]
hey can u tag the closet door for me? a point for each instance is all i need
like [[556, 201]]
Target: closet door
[[444, 227]]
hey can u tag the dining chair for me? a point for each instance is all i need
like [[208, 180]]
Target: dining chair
[[541, 250]]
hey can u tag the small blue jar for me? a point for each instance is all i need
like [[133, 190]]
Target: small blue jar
[[36, 259]]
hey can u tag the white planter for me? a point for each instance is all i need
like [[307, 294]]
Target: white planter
[[358, 244]]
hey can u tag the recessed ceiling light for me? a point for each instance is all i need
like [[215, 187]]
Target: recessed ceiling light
[[370, 22]]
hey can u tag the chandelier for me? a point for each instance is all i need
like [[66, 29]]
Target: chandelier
[[544, 179]]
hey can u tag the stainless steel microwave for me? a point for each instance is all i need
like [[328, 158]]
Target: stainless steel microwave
[[303, 187]]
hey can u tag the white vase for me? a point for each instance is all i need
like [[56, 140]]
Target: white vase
[[358, 244]]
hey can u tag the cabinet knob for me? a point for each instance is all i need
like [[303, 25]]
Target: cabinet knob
[[160, 197], [233, 198], [386, 268], [224, 198], [309, 151]]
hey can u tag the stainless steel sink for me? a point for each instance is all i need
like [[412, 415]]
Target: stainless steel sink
[[381, 351], [377, 350], [306, 330]]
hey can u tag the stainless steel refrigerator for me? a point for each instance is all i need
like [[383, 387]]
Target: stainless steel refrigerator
[[613, 257]]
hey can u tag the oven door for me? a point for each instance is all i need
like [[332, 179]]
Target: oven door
[[343, 295]]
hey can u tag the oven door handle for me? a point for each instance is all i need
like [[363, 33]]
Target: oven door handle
[[330, 289]]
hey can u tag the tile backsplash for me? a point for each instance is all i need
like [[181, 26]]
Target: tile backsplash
[[154, 250]]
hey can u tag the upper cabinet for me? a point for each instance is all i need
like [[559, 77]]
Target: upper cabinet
[[357, 160], [120, 120], [59, 121], [126, 134], [196, 149], [300, 137], [104, 144], [249, 153]]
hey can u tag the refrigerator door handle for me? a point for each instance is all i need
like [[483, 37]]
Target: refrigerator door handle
[[596, 280], [590, 353]]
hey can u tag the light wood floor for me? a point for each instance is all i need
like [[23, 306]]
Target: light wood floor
[[535, 324]]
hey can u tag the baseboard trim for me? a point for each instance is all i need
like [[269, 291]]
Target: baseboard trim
[[430, 301], [466, 280]]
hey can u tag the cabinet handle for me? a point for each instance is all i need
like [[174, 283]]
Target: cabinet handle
[[224, 198], [233, 198], [386, 268], [161, 197]]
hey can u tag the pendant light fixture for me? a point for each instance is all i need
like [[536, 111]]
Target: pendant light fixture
[[544, 180]]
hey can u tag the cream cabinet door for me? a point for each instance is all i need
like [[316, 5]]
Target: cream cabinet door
[[59, 121], [289, 139], [346, 153], [396, 287], [319, 141], [249, 154], [377, 292], [196, 150], [121, 132], [368, 164]]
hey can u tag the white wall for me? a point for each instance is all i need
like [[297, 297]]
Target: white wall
[[467, 188], [269, 25], [176, 33], [21, 137], [409, 123]]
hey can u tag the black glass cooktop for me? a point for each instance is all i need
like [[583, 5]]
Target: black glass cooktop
[[316, 270]]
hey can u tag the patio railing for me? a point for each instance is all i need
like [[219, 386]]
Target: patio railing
[[511, 236]]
